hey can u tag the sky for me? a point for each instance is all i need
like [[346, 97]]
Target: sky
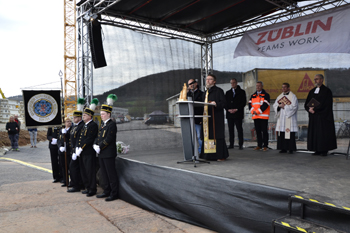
[[31, 45]]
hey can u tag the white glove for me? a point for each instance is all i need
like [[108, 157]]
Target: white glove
[[74, 156], [62, 149], [54, 141], [78, 151], [64, 131], [97, 148]]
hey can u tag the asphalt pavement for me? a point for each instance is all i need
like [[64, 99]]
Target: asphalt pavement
[[30, 202]]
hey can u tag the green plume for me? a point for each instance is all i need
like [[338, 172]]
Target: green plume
[[81, 101], [94, 101], [80, 104], [111, 98]]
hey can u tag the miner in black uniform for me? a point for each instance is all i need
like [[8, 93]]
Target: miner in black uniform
[[64, 149], [76, 181], [53, 135], [85, 150], [106, 149]]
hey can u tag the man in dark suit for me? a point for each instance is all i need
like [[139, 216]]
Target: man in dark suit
[[52, 135], [235, 103], [64, 150], [75, 175], [196, 95], [87, 153], [106, 149]]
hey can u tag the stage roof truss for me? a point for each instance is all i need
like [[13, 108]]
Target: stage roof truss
[[285, 10], [260, 22], [274, 12]]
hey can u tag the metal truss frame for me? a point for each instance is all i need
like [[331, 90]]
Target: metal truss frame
[[206, 60], [85, 65], [70, 90], [286, 11]]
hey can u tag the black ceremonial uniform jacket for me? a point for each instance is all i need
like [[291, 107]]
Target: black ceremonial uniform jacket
[[61, 140], [106, 139], [87, 137], [74, 134], [53, 133]]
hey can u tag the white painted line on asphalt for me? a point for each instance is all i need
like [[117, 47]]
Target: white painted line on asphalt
[[27, 164]]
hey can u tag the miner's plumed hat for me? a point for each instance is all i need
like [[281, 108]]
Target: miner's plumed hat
[[80, 107], [111, 98], [91, 110]]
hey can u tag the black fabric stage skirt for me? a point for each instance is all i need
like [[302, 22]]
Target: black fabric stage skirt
[[286, 144], [221, 151]]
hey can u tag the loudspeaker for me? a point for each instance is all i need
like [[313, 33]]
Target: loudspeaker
[[96, 46]]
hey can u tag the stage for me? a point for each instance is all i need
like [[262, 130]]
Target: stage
[[242, 194]]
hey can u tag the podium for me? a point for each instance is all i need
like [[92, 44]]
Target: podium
[[188, 131]]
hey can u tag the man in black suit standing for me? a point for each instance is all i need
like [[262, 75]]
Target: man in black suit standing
[[87, 153], [52, 135], [235, 103], [75, 175], [106, 149], [196, 95]]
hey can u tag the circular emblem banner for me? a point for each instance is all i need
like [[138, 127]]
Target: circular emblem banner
[[42, 108]]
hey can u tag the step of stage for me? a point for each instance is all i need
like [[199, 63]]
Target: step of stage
[[293, 224], [319, 201]]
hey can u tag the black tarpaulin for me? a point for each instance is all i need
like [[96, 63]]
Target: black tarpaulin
[[217, 203]]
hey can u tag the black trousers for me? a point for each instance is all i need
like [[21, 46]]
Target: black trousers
[[56, 173], [88, 171], [75, 175], [231, 129], [109, 176], [63, 165], [261, 132], [286, 144]]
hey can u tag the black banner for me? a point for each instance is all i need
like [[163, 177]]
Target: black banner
[[42, 108]]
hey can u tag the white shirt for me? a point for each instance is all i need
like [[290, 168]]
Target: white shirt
[[88, 122]]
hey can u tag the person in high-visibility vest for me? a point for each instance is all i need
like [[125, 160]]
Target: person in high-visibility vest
[[259, 106]]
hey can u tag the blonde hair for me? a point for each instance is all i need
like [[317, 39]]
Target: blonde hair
[[67, 119], [10, 118]]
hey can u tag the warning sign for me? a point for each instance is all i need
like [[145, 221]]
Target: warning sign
[[306, 84], [301, 81]]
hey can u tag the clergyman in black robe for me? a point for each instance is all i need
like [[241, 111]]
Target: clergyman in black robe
[[217, 96], [321, 131]]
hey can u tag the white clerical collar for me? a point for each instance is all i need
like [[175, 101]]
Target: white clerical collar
[[317, 90], [88, 122]]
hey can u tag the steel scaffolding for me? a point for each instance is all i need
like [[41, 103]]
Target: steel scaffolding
[[69, 90], [85, 69], [288, 10]]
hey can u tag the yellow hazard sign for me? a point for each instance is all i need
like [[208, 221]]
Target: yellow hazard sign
[[301, 81]]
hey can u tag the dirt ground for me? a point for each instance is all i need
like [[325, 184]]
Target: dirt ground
[[24, 138]]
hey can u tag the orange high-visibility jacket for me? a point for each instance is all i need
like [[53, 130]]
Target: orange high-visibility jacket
[[261, 104]]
